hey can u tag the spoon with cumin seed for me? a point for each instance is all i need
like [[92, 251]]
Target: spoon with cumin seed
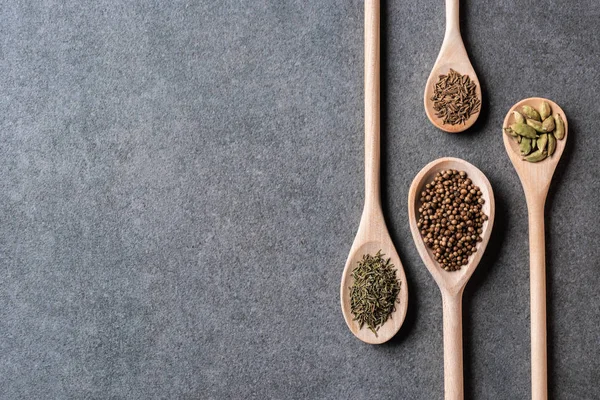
[[452, 112]]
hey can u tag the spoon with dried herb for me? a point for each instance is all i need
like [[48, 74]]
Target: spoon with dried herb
[[373, 251], [445, 209], [452, 93], [535, 175]]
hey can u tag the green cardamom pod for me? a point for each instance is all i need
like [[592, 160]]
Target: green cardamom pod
[[542, 141], [560, 127], [525, 146], [537, 125], [545, 110], [551, 144], [524, 130], [510, 132], [536, 156], [548, 125], [531, 113], [533, 144], [519, 118]]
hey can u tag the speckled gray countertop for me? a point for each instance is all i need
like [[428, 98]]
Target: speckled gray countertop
[[180, 184]]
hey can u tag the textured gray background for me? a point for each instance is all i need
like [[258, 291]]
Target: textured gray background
[[180, 183]]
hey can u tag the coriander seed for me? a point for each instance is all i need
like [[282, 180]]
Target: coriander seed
[[451, 218]]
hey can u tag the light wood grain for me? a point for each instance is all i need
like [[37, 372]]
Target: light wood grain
[[452, 55], [372, 234], [451, 283], [536, 178]]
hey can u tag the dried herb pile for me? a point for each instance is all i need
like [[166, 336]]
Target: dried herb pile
[[451, 218], [374, 292], [455, 98]]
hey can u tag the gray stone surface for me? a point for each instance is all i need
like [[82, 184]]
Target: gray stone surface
[[180, 183]]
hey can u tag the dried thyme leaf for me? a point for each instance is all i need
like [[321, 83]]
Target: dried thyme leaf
[[373, 296]]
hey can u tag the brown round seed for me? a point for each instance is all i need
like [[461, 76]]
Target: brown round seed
[[451, 218]]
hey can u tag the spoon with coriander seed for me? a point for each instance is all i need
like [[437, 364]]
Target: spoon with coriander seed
[[373, 290], [451, 212], [535, 135], [452, 93]]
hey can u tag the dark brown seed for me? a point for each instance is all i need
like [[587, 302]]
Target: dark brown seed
[[455, 98]]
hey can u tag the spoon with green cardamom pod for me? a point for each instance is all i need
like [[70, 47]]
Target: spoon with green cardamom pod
[[535, 171], [372, 236], [452, 106]]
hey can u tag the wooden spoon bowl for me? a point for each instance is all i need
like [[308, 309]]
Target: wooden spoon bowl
[[367, 243], [463, 66], [547, 166], [453, 281]]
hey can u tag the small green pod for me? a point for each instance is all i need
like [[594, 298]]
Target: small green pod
[[542, 141], [519, 118], [536, 156], [530, 112], [551, 144], [525, 146], [548, 125], [545, 110], [537, 125], [524, 130], [510, 132], [560, 127]]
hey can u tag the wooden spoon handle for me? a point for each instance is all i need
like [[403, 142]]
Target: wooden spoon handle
[[453, 346], [537, 268], [372, 90], [452, 17]]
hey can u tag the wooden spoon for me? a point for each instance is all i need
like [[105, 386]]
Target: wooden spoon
[[451, 283], [535, 178], [372, 233], [453, 55]]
